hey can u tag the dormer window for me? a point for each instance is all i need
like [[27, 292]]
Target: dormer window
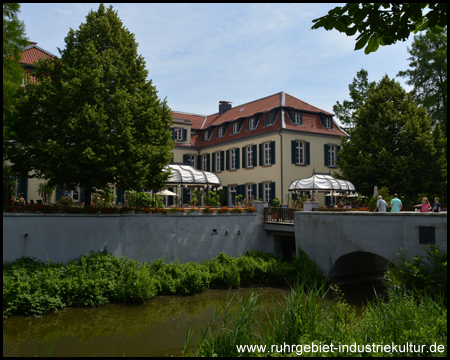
[[268, 119], [327, 122], [235, 128], [251, 124], [220, 131], [179, 134], [297, 120], [205, 135]]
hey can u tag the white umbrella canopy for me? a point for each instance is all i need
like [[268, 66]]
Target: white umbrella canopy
[[321, 182], [166, 192], [186, 175]]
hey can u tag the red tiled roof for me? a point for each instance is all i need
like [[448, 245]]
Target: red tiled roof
[[33, 53], [301, 105], [248, 109], [310, 116], [196, 120]]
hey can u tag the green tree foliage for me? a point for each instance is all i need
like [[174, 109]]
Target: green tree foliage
[[359, 89], [393, 145], [428, 74], [14, 40], [93, 118], [383, 23]]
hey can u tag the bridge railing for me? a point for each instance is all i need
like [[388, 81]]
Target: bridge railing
[[279, 215]]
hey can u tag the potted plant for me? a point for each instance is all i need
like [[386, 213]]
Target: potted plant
[[275, 210]]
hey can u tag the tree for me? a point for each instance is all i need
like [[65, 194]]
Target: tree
[[14, 40], [428, 75], [359, 89], [92, 118], [393, 145], [383, 23]]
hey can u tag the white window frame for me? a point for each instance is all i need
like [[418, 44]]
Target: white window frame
[[297, 120], [205, 135], [218, 162], [220, 131], [251, 124], [332, 155], [74, 194], [191, 160], [300, 153], [267, 119], [327, 122], [204, 162], [178, 134], [249, 190], [249, 157], [235, 128], [267, 153], [267, 190], [233, 159]]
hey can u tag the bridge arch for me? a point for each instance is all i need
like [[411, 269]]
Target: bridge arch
[[358, 262]]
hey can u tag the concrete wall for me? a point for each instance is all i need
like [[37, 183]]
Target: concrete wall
[[189, 238], [328, 236]]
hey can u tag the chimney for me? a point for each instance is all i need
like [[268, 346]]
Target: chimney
[[224, 106]]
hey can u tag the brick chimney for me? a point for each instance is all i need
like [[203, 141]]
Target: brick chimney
[[224, 106]]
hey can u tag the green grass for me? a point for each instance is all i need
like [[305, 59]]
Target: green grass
[[35, 287], [303, 319]]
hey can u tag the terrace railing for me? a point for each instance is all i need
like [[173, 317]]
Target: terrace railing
[[279, 215]]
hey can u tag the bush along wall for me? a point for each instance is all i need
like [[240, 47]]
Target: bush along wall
[[34, 287]]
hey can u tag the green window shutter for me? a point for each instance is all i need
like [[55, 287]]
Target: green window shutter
[[244, 162], [327, 200], [228, 159], [255, 157], [208, 162], [213, 162], [272, 192], [272, 152], [199, 162], [294, 196], [173, 133], [261, 163], [307, 152], [293, 152], [185, 196], [238, 157], [222, 159], [184, 134], [120, 195], [260, 191], [255, 195], [337, 153], [23, 185], [170, 198], [185, 159], [325, 150], [225, 198], [59, 192], [83, 194]]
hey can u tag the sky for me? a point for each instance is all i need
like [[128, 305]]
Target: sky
[[200, 54]]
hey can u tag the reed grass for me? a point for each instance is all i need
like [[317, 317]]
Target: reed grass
[[303, 319]]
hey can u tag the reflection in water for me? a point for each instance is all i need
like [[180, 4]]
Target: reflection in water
[[156, 328]]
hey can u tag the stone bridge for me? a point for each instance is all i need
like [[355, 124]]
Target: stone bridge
[[358, 242]]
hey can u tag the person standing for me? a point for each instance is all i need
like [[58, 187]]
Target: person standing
[[396, 204], [425, 206], [436, 205], [381, 204]]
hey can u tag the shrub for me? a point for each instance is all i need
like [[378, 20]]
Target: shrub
[[66, 200]]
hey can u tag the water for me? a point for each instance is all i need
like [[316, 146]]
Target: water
[[156, 328]]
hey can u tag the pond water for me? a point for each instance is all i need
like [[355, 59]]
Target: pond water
[[155, 328]]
